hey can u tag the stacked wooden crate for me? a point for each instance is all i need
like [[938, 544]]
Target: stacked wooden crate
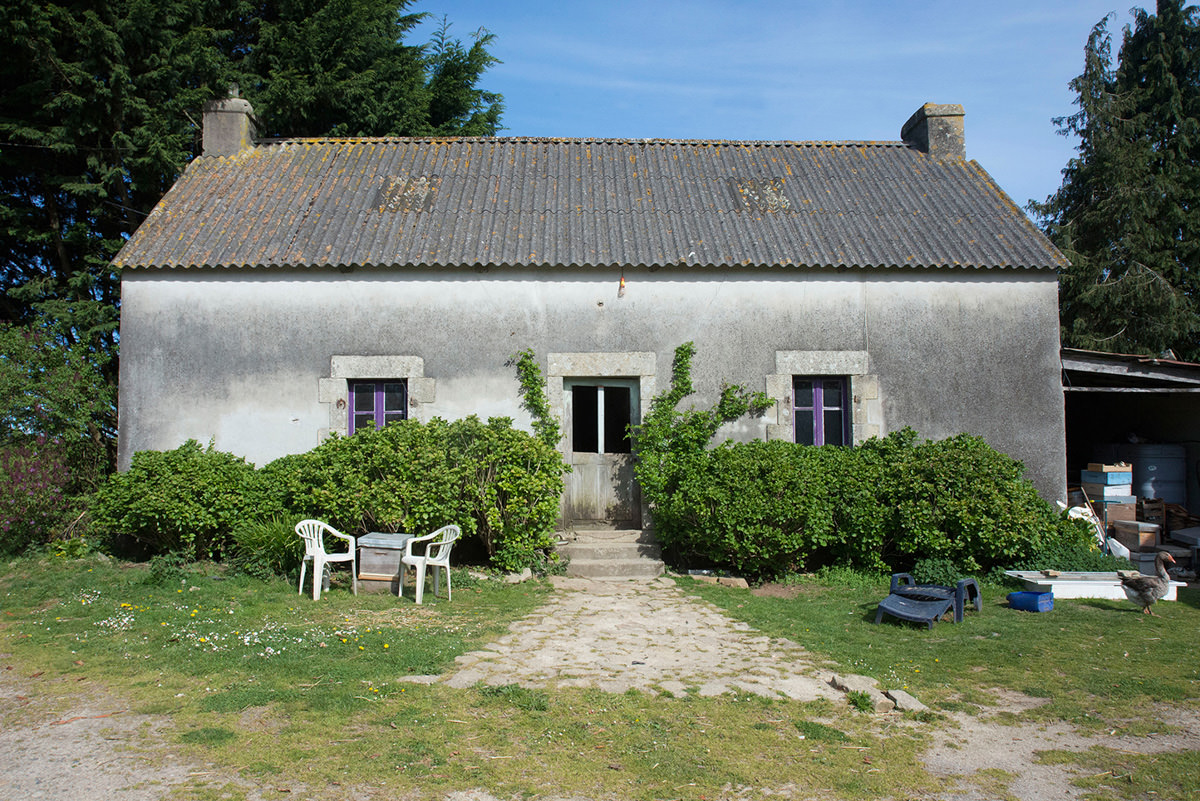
[[1109, 489], [1143, 525], [1153, 510], [1109, 483], [1137, 535]]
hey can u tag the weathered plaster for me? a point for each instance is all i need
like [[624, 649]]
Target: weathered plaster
[[238, 356]]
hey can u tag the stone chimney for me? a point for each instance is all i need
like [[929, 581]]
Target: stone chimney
[[936, 129], [228, 126]]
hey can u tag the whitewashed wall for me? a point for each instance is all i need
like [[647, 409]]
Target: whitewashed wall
[[240, 356]]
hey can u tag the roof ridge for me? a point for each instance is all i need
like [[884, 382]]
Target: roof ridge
[[881, 143]]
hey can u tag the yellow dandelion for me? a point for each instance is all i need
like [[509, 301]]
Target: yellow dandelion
[[360, 648], [385, 645]]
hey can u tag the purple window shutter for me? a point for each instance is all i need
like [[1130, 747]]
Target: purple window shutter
[[375, 403], [391, 402], [833, 411], [362, 405], [819, 411], [804, 395]]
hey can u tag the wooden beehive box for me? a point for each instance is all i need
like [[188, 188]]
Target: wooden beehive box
[[1135, 535], [379, 555]]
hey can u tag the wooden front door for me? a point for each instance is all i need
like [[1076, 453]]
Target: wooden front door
[[600, 490]]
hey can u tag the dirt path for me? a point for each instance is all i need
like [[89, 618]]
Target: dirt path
[[609, 635], [979, 746], [61, 740], [67, 741]]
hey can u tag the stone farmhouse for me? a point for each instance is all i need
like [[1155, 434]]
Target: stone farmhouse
[[285, 290]]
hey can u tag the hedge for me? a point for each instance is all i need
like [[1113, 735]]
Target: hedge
[[764, 509]]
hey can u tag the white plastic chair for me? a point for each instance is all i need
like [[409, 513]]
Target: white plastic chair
[[313, 533], [437, 556]]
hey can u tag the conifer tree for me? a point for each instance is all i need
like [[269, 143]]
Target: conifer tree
[[1127, 214], [99, 112]]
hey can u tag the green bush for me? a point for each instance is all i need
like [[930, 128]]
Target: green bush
[[397, 478], [267, 491], [513, 489], [957, 499], [1077, 553], [167, 568], [183, 501], [936, 571], [765, 509], [759, 508], [496, 482]]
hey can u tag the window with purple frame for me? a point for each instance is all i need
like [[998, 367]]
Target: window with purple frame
[[819, 410], [376, 402]]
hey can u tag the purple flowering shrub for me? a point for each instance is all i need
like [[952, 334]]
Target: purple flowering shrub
[[34, 499]]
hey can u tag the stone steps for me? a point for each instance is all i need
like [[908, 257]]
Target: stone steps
[[629, 553]]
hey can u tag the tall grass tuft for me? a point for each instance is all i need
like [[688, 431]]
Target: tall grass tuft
[[268, 548]]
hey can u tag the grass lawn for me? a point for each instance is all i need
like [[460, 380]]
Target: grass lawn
[[1096, 662], [261, 682]]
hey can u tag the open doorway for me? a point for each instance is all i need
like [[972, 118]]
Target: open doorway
[[601, 491]]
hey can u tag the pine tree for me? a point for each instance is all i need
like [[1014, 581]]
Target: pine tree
[[341, 68], [1127, 214], [336, 67], [93, 128], [99, 103], [456, 106]]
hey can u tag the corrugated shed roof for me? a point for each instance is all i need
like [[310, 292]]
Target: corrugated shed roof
[[546, 202]]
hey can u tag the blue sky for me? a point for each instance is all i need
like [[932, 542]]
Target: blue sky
[[771, 69]]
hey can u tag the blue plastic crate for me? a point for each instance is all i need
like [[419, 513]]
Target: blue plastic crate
[[1093, 477], [1031, 601]]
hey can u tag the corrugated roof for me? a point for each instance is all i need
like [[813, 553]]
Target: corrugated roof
[[1089, 371], [603, 202]]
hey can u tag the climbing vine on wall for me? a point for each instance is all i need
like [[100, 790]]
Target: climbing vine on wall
[[533, 396]]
